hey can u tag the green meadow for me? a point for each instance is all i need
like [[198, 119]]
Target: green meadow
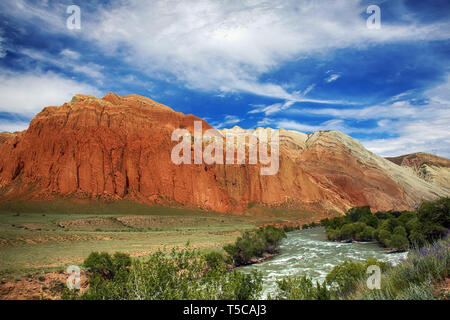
[[38, 237]]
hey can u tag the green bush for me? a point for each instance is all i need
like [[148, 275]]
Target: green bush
[[179, 275], [415, 277], [254, 244], [393, 229], [344, 277], [301, 288], [400, 230], [357, 213], [384, 236], [367, 234], [399, 242], [106, 266], [215, 260]]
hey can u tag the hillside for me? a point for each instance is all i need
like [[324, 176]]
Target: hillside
[[119, 147], [428, 167]]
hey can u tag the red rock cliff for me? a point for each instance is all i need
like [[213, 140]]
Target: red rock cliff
[[120, 147]]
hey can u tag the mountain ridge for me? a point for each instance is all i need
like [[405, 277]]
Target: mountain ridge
[[118, 147]]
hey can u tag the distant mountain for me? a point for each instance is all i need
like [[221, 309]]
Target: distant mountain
[[119, 147], [426, 166]]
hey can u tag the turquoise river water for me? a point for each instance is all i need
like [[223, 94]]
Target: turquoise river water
[[308, 252]]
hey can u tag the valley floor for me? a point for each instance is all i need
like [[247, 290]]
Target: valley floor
[[37, 247]]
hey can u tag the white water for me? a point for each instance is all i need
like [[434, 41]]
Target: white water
[[308, 252]]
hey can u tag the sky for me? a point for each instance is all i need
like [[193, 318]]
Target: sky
[[302, 65]]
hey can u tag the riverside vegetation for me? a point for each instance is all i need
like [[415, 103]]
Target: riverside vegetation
[[184, 274], [191, 274], [392, 229]]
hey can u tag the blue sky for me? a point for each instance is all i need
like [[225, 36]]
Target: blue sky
[[301, 65]]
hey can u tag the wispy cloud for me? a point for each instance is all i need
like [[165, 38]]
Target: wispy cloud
[[68, 60], [334, 124], [2, 49], [213, 45], [239, 49], [28, 93], [424, 129], [13, 125], [271, 109], [228, 121], [332, 77], [411, 127]]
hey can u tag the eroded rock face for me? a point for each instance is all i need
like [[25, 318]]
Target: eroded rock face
[[120, 148], [5, 136], [428, 167]]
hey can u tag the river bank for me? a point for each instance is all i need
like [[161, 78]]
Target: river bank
[[308, 252]]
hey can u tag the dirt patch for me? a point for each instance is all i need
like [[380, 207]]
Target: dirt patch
[[442, 289], [37, 287], [57, 238], [92, 224], [31, 226], [140, 222]]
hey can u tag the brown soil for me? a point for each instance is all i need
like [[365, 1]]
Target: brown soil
[[37, 287]]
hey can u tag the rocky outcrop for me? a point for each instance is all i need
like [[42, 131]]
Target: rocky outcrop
[[431, 168], [5, 136], [119, 147]]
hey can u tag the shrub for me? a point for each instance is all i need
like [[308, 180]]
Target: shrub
[[105, 266], [399, 242], [355, 214], [421, 291], [215, 260], [301, 288], [384, 237], [413, 278], [395, 229], [400, 230], [367, 234], [254, 244], [343, 277], [178, 275], [371, 220]]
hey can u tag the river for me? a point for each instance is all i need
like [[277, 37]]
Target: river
[[308, 252]]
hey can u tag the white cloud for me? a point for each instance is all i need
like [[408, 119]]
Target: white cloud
[[413, 127], [278, 107], [309, 89], [29, 93], [334, 124], [227, 45], [224, 46], [53, 19], [424, 129], [332, 78], [395, 110], [228, 121], [265, 122], [2, 47], [271, 109], [67, 59], [13, 126], [70, 54]]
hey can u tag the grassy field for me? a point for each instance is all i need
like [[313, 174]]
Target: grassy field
[[37, 237]]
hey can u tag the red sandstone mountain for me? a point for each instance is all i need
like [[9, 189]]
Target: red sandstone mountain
[[120, 147]]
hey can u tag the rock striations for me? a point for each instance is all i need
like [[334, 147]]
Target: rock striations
[[119, 147]]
